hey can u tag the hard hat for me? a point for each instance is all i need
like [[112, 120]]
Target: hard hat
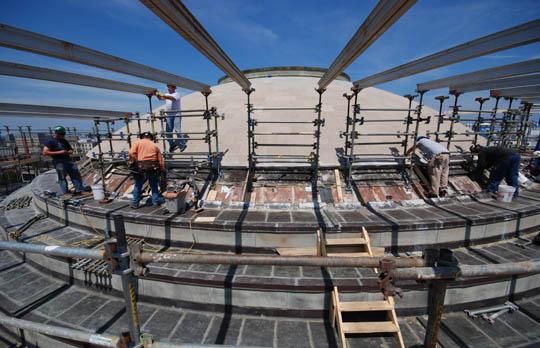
[[59, 130]]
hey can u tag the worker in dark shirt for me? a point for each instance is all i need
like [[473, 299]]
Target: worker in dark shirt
[[60, 150], [502, 162]]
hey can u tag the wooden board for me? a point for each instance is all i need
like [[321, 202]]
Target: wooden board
[[297, 251]]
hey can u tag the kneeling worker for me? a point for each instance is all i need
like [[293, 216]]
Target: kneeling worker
[[438, 164], [502, 162], [149, 163]]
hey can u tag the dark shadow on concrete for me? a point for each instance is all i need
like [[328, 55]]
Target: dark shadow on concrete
[[228, 282], [111, 321], [468, 222]]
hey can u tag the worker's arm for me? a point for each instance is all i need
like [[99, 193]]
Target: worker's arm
[[161, 160], [133, 152], [49, 152], [409, 151], [162, 97], [480, 166]]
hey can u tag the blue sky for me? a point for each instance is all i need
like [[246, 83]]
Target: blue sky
[[254, 34]]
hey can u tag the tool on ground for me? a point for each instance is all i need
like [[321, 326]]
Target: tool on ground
[[477, 312]]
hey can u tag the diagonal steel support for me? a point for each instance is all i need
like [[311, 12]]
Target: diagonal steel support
[[383, 16], [40, 44], [513, 37], [510, 82], [181, 20], [521, 68], [38, 73], [516, 92], [28, 110]]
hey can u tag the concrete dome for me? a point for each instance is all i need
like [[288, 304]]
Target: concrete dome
[[295, 91]]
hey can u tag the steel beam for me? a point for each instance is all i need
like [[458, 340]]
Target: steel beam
[[516, 92], [27, 110], [521, 68], [382, 17], [513, 37], [40, 44], [38, 73], [510, 82], [181, 20]]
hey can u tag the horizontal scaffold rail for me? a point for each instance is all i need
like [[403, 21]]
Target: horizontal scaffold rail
[[40, 44], [513, 37], [38, 73], [284, 109], [521, 68], [516, 92], [53, 250], [510, 82], [28, 110]]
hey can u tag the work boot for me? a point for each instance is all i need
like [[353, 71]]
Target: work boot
[[443, 193], [173, 147], [134, 206], [183, 148]]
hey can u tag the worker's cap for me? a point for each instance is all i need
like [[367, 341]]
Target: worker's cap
[[422, 137], [59, 130], [536, 154], [147, 135], [171, 85]]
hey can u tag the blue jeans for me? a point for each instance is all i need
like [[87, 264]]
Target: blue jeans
[[67, 167], [153, 180], [507, 169], [169, 128]]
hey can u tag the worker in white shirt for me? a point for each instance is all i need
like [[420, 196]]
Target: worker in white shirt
[[438, 164], [172, 109]]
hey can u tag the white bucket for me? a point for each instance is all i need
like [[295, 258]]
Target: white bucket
[[505, 193], [98, 192]]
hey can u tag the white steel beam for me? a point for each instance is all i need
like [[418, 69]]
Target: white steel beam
[[28, 110], [382, 17], [40, 44], [521, 68], [518, 92], [513, 37], [180, 19], [510, 82], [38, 73]]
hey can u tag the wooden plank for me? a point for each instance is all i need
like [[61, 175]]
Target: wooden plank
[[369, 327], [349, 254], [338, 185], [297, 251], [366, 306], [339, 318], [211, 195], [205, 219], [377, 251], [319, 244], [346, 241], [394, 318]]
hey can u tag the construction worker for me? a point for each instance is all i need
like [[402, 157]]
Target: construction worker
[[146, 158], [60, 150], [438, 164], [172, 107], [502, 162]]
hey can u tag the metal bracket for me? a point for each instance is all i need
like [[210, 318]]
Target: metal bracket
[[139, 269], [386, 279]]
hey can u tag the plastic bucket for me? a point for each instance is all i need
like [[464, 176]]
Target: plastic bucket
[[98, 192], [505, 193]]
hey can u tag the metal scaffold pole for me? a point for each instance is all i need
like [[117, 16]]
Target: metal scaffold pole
[[479, 119], [453, 119], [440, 116], [251, 129], [100, 155], [352, 135], [493, 122], [319, 123]]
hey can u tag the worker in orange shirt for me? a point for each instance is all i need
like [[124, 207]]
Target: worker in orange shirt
[[148, 161]]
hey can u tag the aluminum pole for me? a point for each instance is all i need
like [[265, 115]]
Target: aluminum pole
[[53, 250], [513, 37]]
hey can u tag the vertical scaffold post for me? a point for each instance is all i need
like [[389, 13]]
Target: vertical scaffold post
[[100, 155], [251, 129], [25, 143], [453, 119], [319, 124], [352, 137], [129, 281], [493, 122], [32, 147], [440, 117], [109, 136], [348, 122], [419, 118], [408, 122], [479, 119], [436, 293], [207, 117], [525, 128], [164, 134], [128, 130], [506, 123]]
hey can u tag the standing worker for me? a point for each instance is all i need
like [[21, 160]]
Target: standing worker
[[149, 163], [438, 164], [60, 150], [502, 162], [172, 108]]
